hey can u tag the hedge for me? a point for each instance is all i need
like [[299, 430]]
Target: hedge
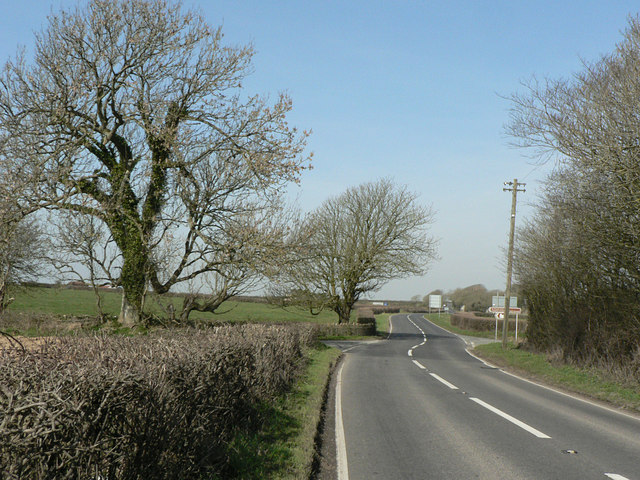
[[162, 406], [468, 321]]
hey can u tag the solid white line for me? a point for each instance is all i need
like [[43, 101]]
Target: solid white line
[[341, 445], [440, 379], [506, 416], [419, 365], [615, 476]]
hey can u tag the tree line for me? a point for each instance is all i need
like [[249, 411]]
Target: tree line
[[578, 257], [131, 154]]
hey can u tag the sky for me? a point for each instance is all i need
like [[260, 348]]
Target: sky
[[416, 91]]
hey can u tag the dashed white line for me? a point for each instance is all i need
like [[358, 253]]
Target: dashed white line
[[419, 365], [442, 380], [508, 417], [615, 476]]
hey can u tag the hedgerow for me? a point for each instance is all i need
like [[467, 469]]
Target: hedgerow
[[162, 406]]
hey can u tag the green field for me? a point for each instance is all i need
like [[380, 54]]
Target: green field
[[82, 303]]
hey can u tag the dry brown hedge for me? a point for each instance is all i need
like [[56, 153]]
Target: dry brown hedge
[[468, 321], [162, 406]]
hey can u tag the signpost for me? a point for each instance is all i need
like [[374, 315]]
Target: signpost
[[499, 314], [435, 301]]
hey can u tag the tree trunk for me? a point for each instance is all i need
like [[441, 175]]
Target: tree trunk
[[133, 281], [344, 312], [133, 277], [129, 314]]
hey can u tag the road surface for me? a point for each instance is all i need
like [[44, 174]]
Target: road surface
[[418, 406]]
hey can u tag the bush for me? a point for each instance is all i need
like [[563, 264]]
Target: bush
[[346, 330], [381, 310], [468, 321], [366, 318], [162, 406]]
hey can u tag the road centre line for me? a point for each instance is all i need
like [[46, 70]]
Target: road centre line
[[508, 417], [419, 364], [442, 380]]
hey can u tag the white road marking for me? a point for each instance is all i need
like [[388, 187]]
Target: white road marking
[[341, 445], [419, 365], [615, 476], [513, 420], [442, 380], [547, 387], [410, 353]]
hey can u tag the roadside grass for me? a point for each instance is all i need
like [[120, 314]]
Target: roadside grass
[[285, 447], [586, 381], [443, 320], [382, 324]]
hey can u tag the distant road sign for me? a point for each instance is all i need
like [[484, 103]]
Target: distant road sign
[[501, 309], [498, 301], [435, 301]]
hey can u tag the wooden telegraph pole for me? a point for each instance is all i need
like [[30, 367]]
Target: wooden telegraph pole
[[514, 188]]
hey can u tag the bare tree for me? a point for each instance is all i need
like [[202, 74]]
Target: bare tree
[[578, 258], [81, 247], [20, 254], [133, 112], [358, 241], [473, 298], [242, 254], [21, 241]]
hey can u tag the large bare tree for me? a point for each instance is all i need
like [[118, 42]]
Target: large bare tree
[[578, 258], [355, 243], [133, 112]]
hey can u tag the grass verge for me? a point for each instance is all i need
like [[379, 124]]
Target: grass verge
[[442, 320], [586, 381], [382, 324], [285, 447]]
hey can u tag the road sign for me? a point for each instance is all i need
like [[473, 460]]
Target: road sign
[[435, 301], [498, 301], [501, 309]]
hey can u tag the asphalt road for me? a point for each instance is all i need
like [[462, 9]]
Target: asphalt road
[[418, 406]]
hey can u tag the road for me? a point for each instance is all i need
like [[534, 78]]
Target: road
[[418, 406]]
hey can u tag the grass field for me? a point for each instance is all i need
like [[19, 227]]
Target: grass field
[[82, 303]]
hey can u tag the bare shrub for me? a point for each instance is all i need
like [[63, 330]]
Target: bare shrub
[[162, 406], [380, 310], [468, 321]]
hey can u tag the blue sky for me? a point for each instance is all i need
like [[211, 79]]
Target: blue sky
[[411, 90]]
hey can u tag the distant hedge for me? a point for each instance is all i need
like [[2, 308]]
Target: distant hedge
[[162, 406], [468, 321]]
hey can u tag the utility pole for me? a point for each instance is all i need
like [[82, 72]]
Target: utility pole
[[514, 188]]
